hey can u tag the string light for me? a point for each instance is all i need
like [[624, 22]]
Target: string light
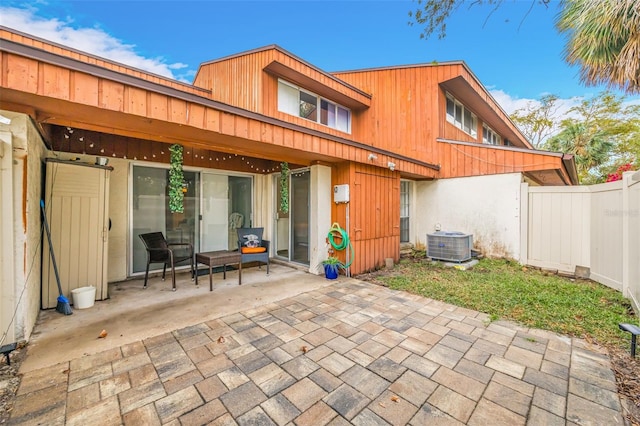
[[69, 132]]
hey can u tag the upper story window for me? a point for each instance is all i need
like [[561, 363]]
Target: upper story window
[[461, 117], [301, 103], [489, 136]]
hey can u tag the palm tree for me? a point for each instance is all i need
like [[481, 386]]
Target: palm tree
[[603, 39], [590, 147]]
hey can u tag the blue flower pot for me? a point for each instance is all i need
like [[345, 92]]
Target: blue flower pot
[[331, 272]]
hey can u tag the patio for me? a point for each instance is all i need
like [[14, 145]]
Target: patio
[[293, 347], [133, 313]]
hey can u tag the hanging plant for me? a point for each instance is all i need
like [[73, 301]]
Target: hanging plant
[[284, 187], [176, 179]]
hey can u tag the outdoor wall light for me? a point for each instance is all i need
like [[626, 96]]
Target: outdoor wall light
[[372, 157], [391, 165]]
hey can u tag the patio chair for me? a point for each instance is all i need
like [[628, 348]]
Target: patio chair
[[252, 247], [169, 254]]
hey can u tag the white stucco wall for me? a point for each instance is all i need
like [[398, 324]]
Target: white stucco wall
[[25, 151], [321, 193], [486, 206]]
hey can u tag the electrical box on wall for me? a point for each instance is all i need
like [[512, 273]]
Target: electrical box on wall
[[341, 193]]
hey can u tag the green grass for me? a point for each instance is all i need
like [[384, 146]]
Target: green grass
[[504, 289]]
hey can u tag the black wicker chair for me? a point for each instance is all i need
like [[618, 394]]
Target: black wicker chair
[[261, 257], [169, 254]]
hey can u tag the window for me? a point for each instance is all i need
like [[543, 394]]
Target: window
[[405, 191], [461, 117], [296, 101], [489, 136]]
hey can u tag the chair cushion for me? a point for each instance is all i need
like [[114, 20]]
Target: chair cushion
[[253, 249]]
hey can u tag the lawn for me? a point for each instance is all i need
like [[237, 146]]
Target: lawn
[[507, 290]]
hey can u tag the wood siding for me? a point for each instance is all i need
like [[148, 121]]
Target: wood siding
[[459, 160], [242, 81], [95, 60], [372, 215], [72, 98]]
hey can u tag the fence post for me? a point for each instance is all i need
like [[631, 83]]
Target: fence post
[[524, 223], [626, 240]]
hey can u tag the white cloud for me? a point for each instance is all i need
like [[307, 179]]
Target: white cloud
[[90, 40], [510, 104]]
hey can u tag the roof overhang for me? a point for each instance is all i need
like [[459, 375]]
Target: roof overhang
[[355, 99], [460, 88]]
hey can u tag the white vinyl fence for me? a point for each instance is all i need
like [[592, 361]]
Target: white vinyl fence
[[595, 227]]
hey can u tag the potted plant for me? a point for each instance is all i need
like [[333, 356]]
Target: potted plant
[[331, 266]]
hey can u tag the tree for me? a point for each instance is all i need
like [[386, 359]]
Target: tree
[[537, 120], [604, 135], [603, 37], [591, 149]]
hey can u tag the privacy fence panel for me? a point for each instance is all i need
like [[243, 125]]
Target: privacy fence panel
[[596, 227], [606, 234], [557, 233]]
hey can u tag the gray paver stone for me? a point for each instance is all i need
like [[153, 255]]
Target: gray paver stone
[[255, 417], [203, 415], [364, 381], [141, 395], [546, 381], [280, 409], [413, 387], [387, 369], [347, 401], [584, 412], [508, 398], [595, 394], [452, 403], [459, 383], [304, 394], [368, 418], [538, 416], [444, 355], [242, 399], [394, 409], [146, 415], [319, 414], [300, 367], [430, 415], [550, 402], [488, 413], [173, 406]]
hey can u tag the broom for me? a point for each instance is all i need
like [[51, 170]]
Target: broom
[[63, 303]]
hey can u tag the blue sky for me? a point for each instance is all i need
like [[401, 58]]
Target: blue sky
[[515, 50]]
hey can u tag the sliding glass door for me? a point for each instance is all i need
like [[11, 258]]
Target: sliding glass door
[[292, 217], [150, 211], [215, 205]]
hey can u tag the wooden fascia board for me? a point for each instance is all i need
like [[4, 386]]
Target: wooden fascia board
[[565, 164], [569, 162], [356, 100]]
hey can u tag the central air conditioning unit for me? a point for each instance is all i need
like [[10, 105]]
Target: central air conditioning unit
[[449, 246]]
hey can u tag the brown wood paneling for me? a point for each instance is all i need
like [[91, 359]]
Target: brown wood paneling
[[20, 73], [374, 214], [477, 160], [65, 51]]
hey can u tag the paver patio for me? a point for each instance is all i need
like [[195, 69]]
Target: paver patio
[[347, 353]]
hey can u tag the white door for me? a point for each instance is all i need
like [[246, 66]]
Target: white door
[[215, 212]]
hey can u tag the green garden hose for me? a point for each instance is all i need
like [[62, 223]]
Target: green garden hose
[[337, 231]]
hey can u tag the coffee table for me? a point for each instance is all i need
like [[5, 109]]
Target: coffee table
[[219, 258]]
